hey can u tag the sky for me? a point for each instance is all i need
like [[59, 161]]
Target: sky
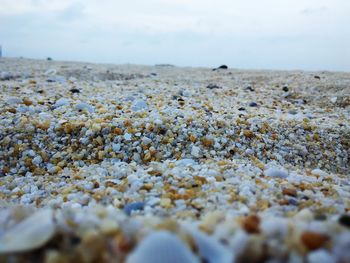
[[247, 34]]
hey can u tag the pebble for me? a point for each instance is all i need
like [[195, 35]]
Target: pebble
[[74, 90], [344, 220], [320, 256], [84, 106], [127, 136], [213, 86], [221, 67], [210, 250], [139, 105], [5, 76], [61, 102], [160, 247], [195, 152], [128, 208], [313, 240], [276, 172], [253, 104]]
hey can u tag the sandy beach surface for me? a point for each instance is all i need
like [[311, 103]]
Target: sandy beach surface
[[141, 164]]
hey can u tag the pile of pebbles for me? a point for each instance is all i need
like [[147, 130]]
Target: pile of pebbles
[[106, 163]]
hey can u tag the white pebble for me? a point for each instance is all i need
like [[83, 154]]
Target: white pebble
[[195, 151], [160, 247], [320, 256], [275, 172], [139, 105], [61, 102], [127, 136]]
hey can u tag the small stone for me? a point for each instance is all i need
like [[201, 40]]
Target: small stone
[[127, 136], [96, 127], [84, 106], [253, 104], [207, 142], [319, 172], [116, 147], [313, 240], [317, 77], [74, 90], [248, 133], [251, 224], [181, 101], [249, 88], [221, 67], [285, 89], [334, 99], [161, 247], [5, 76], [195, 151], [320, 256], [136, 206], [59, 79], [139, 105], [210, 250], [27, 102], [146, 140], [289, 191], [344, 220], [241, 109], [213, 86], [275, 172], [12, 110], [192, 138], [61, 102], [165, 202]]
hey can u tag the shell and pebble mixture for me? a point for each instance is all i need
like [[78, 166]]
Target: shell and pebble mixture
[[106, 163]]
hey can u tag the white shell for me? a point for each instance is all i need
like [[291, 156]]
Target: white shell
[[31, 233], [161, 247]]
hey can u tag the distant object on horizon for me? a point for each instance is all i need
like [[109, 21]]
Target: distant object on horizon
[[221, 67]]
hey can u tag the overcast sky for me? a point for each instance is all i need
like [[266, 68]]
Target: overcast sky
[[270, 34]]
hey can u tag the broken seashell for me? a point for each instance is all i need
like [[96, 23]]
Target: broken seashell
[[31, 233]]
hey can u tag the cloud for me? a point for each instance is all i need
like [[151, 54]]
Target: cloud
[[269, 33]]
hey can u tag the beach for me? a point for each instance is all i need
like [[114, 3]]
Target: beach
[[116, 163]]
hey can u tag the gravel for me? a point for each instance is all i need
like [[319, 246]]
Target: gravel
[[132, 155]]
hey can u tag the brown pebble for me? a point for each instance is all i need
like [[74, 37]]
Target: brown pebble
[[192, 138], [27, 102], [289, 191], [313, 240], [12, 110], [118, 131], [96, 184], [207, 142], [123, 243], [248, 133], [251, 224], [283, 202]]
